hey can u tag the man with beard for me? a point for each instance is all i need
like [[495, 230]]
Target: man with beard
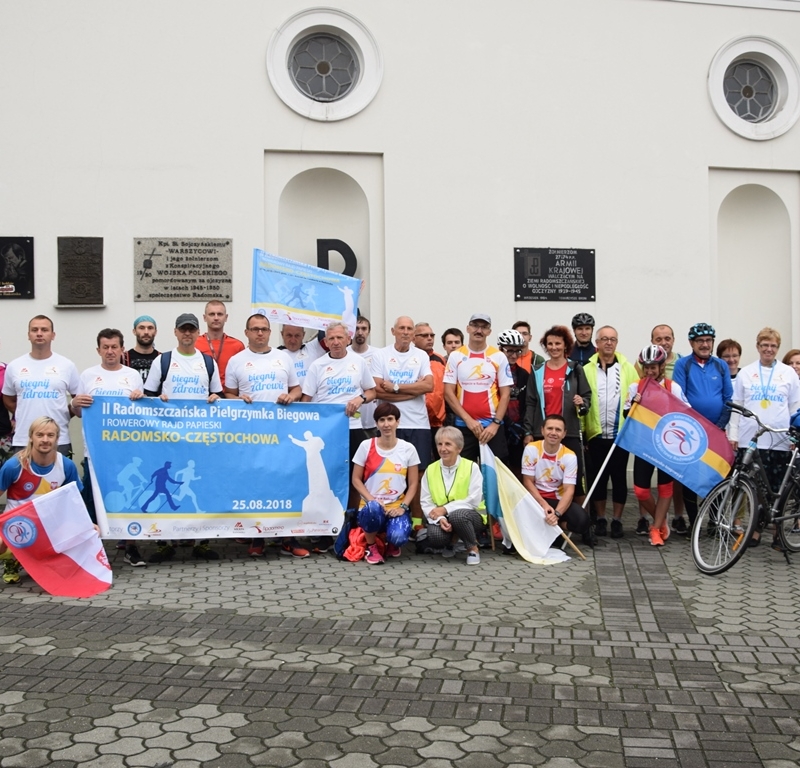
[[360, 346], [141, 357]]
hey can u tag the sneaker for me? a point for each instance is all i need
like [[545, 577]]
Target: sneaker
[[795, 531], [497, 532], [393, 551], [11, 568], [753, 542], [589, 539], [163, 552], [473, 558], [601, 527], [664, 531], [508, 550], [448, 552], [132, 556], [122, 544], [373, 556], [655, 537], [616, 529], [292, 550], [321, 545], [256, 549], [642, 527], [679, 526], [777, 546], [202, 551]]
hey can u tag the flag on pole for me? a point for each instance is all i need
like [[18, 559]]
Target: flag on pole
[[519, 514], [54, 540], [674, 437], [292, 293]]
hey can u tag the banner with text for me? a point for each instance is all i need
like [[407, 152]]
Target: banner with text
[[189, 469], [292, 293]]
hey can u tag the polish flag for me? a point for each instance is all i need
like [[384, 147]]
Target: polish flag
[[54, 540]]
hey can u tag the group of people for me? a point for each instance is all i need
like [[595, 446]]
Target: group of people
[[417, 418]]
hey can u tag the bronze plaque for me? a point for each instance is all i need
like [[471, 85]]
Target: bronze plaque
[[16, 267], [80, 270], [182, 268]]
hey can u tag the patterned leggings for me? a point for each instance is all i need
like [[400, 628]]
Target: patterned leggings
[[467, 523]]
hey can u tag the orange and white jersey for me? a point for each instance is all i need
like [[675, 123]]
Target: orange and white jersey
[[550, 473], [385, 471], [477, 376]]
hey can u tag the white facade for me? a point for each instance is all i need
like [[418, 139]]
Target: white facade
[[564, 123]]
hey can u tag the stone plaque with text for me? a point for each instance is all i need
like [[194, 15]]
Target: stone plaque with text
[[16, 267], [182, 268], [554, 274], [80, 270]]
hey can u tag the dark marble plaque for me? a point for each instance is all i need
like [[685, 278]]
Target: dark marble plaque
[[16, 267], [80, 270], [554, 274]]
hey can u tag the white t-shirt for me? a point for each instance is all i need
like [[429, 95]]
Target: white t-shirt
[[331, 380], [264, 377], [98, 382], [550, 472], [187, 377], [303, 358], [41, 388], [773, 394], [368, 409], [385, 471], [405, 368]]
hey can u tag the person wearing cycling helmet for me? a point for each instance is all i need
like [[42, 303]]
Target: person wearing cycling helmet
[[511, 344], [653, 360], [706, 383], [770, 389], [582, 327]]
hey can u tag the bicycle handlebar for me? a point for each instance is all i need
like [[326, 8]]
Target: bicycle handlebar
[[750, 415]]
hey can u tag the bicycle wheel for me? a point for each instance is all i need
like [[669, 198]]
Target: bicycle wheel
[[726, 519], [789, 530]]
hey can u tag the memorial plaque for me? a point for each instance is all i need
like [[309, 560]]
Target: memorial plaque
[[554, 274], [80, 270], [16, 267], [182, 268]]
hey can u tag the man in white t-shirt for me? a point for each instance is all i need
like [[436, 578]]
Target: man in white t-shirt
[[108, 379], [403, 376], [259, 372], [360, 346], [477, 386], [37, 384], [301, 354], [189, 375], [341, 377]]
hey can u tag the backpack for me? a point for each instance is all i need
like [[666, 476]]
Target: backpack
[[166, 359]]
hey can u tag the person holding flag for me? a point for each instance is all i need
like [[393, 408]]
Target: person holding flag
[[37, 469], [653, 360]]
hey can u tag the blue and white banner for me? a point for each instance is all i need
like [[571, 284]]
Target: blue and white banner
[[190, 469], [292, 293]]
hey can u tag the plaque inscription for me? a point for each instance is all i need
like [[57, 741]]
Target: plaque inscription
[[80, 270]]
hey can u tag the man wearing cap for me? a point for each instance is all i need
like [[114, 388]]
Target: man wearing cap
[[215, 341], [706, 384], [582, 327], [141, 357], [477, 386], [184, 374]]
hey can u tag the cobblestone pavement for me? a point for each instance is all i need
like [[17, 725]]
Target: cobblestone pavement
[[631, 658]]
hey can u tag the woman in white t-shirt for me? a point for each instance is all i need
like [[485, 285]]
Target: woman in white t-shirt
[[385, 474]]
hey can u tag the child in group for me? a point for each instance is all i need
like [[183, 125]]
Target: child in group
[[37, 469], [653, 361]]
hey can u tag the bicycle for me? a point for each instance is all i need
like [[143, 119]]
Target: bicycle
[[744, 500]]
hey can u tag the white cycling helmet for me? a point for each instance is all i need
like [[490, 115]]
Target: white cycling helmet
[[510, 339]]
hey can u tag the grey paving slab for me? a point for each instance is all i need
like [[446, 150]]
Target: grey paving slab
[[631, 658]]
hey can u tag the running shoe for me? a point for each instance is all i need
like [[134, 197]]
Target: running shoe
[[256, 549], [664, 531], [321, 545], [163, 552], [132, 556], [393, 551], [679, 526], [497, 532], [122, 544], [616, 529], [373, 556], [655, 537], [11, 568], [508, 550], [601, 527], [202, 551], [448, 552], [290, 549], [642, 527], [473, 558]]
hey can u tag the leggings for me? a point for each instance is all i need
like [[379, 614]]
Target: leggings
[[467, 523], [643, 474]]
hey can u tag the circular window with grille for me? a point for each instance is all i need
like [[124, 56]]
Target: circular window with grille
[[324, 64], [754, 85]]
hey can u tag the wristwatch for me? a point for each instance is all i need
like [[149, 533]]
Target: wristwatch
[[396, 388], [497, 421]]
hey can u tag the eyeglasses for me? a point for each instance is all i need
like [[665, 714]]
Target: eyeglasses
[[259, 330], [606, 339], [512, 352], [484, 328], [425, 335]]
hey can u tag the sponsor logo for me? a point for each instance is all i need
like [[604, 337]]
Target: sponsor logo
[[153, 530], [20, 532], [238, 528], [134, 529]]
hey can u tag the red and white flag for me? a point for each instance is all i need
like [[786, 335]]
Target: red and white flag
[[54, 540]]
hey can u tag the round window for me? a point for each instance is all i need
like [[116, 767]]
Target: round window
[[323, 67], [750, 91]]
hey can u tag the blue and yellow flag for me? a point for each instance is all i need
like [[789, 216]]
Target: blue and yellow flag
[[674, 437]]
